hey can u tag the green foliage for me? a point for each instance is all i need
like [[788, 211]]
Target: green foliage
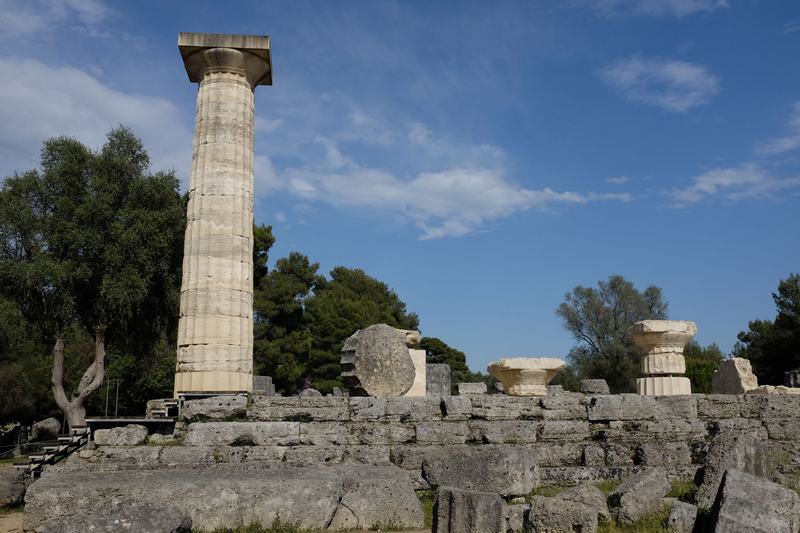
[[302, 318], [90, 242], [607, 486], [277, 527], [438, 352], [653, 523], [683, 489], [568, 379], [426, 500], [772, 345], [547, 490], [701, 364], [599, 319]]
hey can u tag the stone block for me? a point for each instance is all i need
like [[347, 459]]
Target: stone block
[[503, 431], [413, 409], [571, 430], [226, 407], [456, 408], [516, 514], [141, 456], [362, 408], [310, 393], [648, 430], [324, 433], [243, 433], [555, 454], [682, 517], [639, 495], [419, 386], [130, 435], [621, 407], [187, 455], [525, 376], [13, 483], [564, 406], [555, 514], [594, 455], [381, 433], [663, 386], [466, 511], [376, 362], [249, 454], [501, 407], [228, 497], [292, 408], [442, 432], [472, 388], [506, 470], [47, 429], [749, 503], [594, 386], [782, 428], [718, 406], [734, 376], [737, 450], [589, 496], [437, 377], [663, 454]]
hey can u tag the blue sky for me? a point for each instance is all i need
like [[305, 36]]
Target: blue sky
[[481, 158]]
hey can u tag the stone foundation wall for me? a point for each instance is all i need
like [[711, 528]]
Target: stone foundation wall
[[513, 442]]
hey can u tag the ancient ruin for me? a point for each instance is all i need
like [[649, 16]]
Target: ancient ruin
[[663, 365], [526, 376], [215, 337]]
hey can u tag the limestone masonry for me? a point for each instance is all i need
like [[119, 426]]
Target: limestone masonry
[[215, 333]]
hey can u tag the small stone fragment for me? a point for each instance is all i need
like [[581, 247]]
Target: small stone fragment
[[471, 388], [310, 393], [682, 517], [46, 429]]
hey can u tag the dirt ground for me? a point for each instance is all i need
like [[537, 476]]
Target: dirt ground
[[11, 523]]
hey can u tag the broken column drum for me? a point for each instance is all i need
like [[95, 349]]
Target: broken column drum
[[215, 332], [663, 366]]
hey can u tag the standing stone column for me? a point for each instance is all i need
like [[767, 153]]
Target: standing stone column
[[215, 332]]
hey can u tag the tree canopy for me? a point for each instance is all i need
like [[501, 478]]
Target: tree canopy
[[599, 320], [773, 346], [90, 250]]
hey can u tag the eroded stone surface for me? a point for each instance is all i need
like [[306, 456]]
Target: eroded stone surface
[[12, 487], [639, 495], [682, 517], [754, 504], [376, 362], [47, 429], [734, 376], [526, 376], [215, 408], [594, 386], [478, 387], [130, 435], [465, 511], [437, 376]]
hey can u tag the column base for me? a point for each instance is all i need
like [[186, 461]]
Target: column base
[[213, 382], [663, 386]]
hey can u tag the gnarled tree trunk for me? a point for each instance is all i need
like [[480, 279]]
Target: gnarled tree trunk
[[90, 381]]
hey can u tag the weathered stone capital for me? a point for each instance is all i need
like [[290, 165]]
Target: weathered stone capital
[[245, 55]]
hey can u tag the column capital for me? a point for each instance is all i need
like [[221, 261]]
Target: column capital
[[248, 55]]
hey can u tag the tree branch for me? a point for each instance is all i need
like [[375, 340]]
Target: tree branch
[[57, 375]]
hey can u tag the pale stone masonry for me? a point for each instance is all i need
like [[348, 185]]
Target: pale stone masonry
[[215, 333]]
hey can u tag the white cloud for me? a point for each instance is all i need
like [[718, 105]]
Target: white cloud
[[736, 183], [450, 203], [50, 100], [19, 18], [672, 85], [657, 8], [618, 180], [788, 142]]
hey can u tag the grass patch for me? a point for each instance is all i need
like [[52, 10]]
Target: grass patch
[[607, 486], [277, 527], [10, 460], [683, 489], [426, 498], [11, 510], [547, 490], [653, 523]]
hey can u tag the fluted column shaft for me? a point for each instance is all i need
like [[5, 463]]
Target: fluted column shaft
[[215, 332]]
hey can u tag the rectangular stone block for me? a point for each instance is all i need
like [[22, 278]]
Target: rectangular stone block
[[558, 453], [250, 454], [503, 431], [502, 407], [294, 408], [564, 406], [324, 434], [438, 379], [242, 433], [364, 408], [456, 408], [413, 409], [783, 428], [442, 432], [718, 406], [381, 433], [663, 454], [182, 455], [636, 407], [471, 388], [646, 430], [571, 430]]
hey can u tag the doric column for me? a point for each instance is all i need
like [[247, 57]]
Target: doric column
[[215, 332]]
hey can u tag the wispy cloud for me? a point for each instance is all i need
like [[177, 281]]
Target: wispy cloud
[[672, 85], [35, 107], [618, 180], [789, 142], [792, 26], [19, 18], [656, 8], [450, 203], [736, 183]]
